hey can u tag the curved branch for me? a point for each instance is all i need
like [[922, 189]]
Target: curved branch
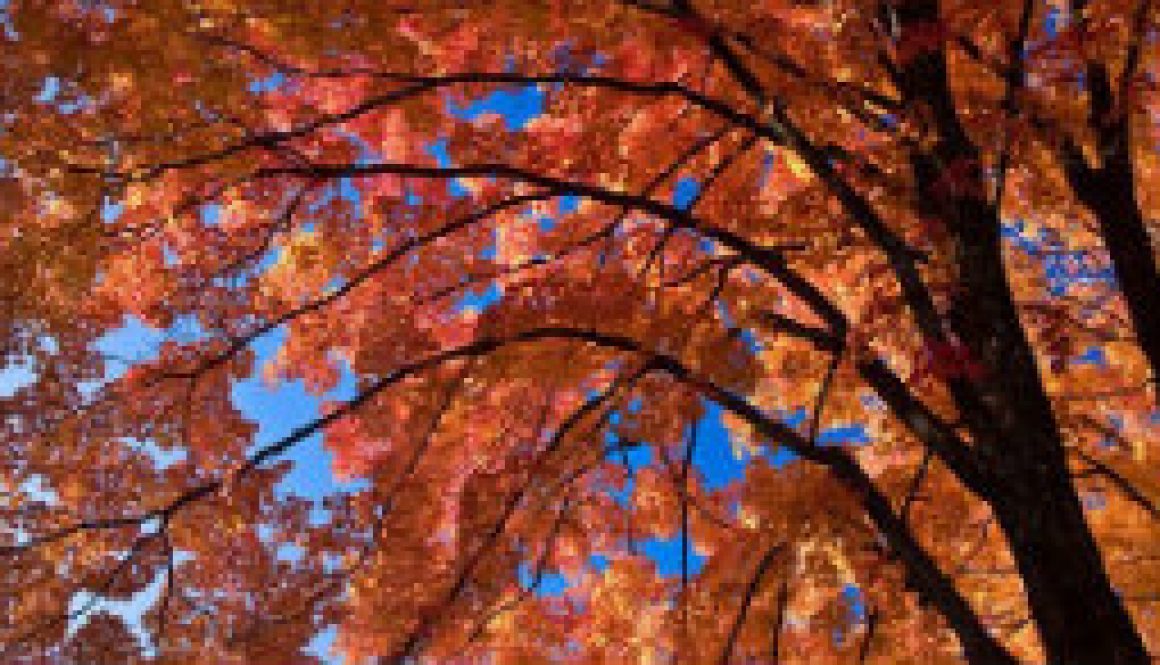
[[909, 409], [419, 85], [932, 584]]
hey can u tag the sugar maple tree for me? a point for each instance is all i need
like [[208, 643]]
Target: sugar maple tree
[[879, 186]]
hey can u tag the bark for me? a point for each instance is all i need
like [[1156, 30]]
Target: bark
[[1077, 613], [1079, 616], [1128, 243], [1108, 188], [1109, 193], [1019, 448]]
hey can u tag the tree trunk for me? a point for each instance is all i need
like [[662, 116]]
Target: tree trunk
[[1020, 449], [1131, 250], [1111, 196], [1108, 189], [1079, 616], [1077, 612]]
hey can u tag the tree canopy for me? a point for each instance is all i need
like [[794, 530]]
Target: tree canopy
[[902, 251]]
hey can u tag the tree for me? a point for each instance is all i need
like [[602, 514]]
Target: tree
[[802, 218]]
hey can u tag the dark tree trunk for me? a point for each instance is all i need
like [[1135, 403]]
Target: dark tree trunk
[[1110, 194], [1077, 612], [1128, 243], [1020, 451], [1108, 189]]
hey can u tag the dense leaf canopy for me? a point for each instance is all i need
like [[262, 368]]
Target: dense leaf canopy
[[903, 251]]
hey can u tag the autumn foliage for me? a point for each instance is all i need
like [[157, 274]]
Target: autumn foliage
[[928, 222]]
